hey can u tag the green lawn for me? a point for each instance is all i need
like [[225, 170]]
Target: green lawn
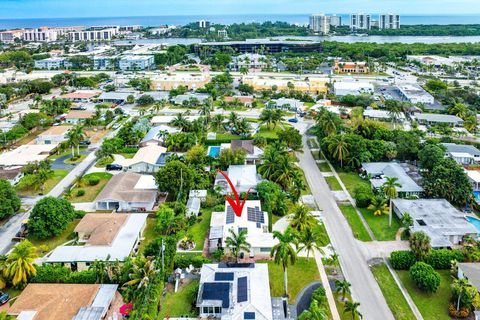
[[355, 222], [333, 183], [181, 303], [395, 300], [268, 133], [351, 180], [54, 242], [56, 177], [91, 192], [300, 275], [149, 234], [200, 228], [102, 163], [127, 155], [227, 136], [379, 225], [324, 167], [432, 306], [78, 158]]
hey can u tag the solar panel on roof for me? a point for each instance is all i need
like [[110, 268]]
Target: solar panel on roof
[[249, 315], [217, 291], [242, 294], [255, 215], [230, 215], [223, 276]]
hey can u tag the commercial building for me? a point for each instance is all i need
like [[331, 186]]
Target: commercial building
[[204, 24], [128, 191], [264, 46], [434, 118], [53, 135], [311, 85], [360, 21], [50, 63], [136, 62], [351, 67], [93, 34], [379, 171], [320, 23], [43, 34], [343, 88], [253, 220], [463, 154], [236, 291], [415, 94], [62, 301], [101, 236], [146, 160], [167, 82], [443, 223], [389, 21]]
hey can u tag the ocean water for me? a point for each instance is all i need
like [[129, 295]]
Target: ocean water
[[224, 19]]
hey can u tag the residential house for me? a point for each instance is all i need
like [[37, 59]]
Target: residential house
[[201, 98], [254, 153], [77, 116], [65, 301], [247, 101], [253, 220], [165, 120], [463, 154], [381, 115], [157, 134], [443, 223], [434, 118], [11, 174], [145, 160], [53, 135], [128, 191], [116, 97], [286, 104], [243, 177], [26, 154], [81, 95], [379, 171], [235, 291]]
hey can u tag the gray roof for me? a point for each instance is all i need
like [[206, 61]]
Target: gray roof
[[114, 95], [185, 97], [471, 271], [193, 205], [152, 134], [391, 169], [441, 118], [158, 95], [462, 148], [437, 218], [122, 188]]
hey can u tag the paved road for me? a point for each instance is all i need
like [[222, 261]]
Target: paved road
[[364, 286]]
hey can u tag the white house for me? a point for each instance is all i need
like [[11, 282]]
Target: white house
[[157, 134], [463, 154], [243, 177], [53, 135], [146, 160]]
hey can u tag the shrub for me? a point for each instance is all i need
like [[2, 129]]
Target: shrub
[[79, 214], [425, 277], [183, 261], [85, 276], [402, 260], [442, 258], [93, 180], [363, 196], [462, 313], [80, 192], [219, 208]]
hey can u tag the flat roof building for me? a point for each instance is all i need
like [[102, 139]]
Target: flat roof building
[[380, 170], [192, 81], [435, 118], [415, 94], [382, 115], [343, 88], [311, 85], [136, 62], [268, 45], [243, 177]]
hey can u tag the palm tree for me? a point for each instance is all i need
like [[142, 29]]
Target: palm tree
[[309, 241], [460, 285], [314, 312], [390, 189], [328, 122], [180, 121], [75, 136], [3, 262], [143, 272], [352, 308], [420, 244], [233, 120], [283, 252], [338, 147], [19, 263], [335, 260], [342, 287], [237, 243], [302, 218], [407, 220], [378, 205], [216, 123]]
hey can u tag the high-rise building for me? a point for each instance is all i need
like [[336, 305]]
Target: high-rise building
[[204, 24], [320, 23], [389, 21], [360, 21], [335, 21]]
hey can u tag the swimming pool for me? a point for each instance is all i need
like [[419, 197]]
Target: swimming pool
[[474, 221], [214, 151], [476, 194]]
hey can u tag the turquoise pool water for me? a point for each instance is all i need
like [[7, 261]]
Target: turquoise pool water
[[475, 222], [476, 194], [213, 151]]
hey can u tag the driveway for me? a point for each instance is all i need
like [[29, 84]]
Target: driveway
[[354, 265]]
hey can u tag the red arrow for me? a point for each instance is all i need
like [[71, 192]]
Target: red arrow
[[236, 204]]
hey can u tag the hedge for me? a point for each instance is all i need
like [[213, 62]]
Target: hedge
[[442, 258], [54, 273], [183, 261], [425, 277], [402, 260]]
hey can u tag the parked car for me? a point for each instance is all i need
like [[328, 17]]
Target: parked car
[[114, 167], [293, 120], [85, 143], [4, 297]]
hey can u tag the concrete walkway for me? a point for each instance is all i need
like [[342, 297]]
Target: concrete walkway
[[326, 285]]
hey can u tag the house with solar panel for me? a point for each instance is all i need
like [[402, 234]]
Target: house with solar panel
[[235, 291], [253, 220]]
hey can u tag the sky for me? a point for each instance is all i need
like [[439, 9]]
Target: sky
[[17, 9]]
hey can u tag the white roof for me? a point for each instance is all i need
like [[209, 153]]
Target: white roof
[[258, 289], [148, 154], [120, 248], [474, 175], [25, 154], [146, 182], [351, 85], [380, 114], [243, 175], [166, 119]]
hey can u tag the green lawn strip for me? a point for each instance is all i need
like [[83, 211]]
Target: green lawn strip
[[54, 242], [102, 163], [56, 177], [200, 228], [379, 225], [351, 180], [395, 300], [307, 187], [181, 303], [127, 155], [432, 306], [149, 234], [341, 306], [227, 136], [355, 222], [91, 192], [302, 273], [333, 183], [324, 167]]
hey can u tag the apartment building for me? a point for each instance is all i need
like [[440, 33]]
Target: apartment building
[[389, 21], [93, 34], [335, 21], [105, 62], [136, 62], [360, 21], [43, 34], [10, 35], [50, 63], [320, 23]]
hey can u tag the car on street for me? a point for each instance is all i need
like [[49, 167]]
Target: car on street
[[85, 143], [114, 167], [293, 120]]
